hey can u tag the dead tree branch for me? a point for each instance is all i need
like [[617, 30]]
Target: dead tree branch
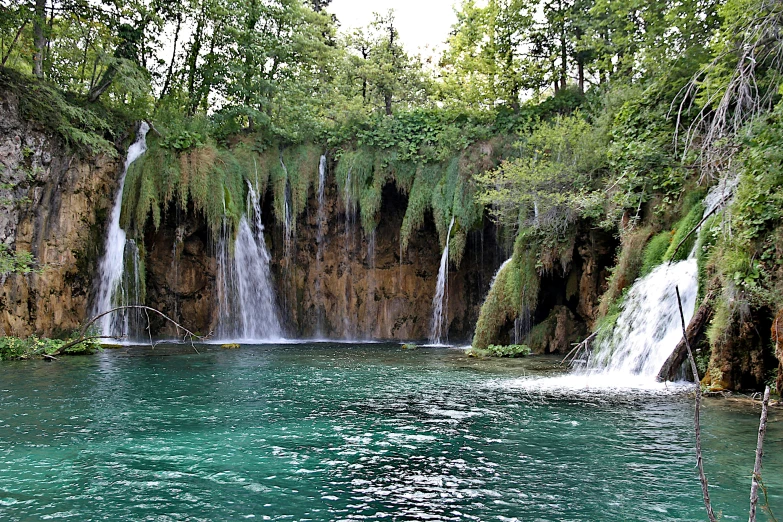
[[754, 482], [693, 334], [696, 422], [83, 332], [584, 346]]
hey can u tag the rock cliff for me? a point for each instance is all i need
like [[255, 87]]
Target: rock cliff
[[54, 205]]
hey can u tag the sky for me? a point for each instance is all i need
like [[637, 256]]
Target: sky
[[423, 25]]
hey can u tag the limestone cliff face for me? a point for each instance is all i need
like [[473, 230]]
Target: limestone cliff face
[[180, 275], [340, 284], [55, 208], [354, 286]]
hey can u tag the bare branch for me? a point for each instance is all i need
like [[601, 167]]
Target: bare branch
[[754, 482], [83, 338], [697, 427]]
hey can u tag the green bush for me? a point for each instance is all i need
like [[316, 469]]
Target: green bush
[[494, 350], [15, 348]]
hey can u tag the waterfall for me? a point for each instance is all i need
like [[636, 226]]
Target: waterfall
[[441, 294], [288, 216], [119, 281], [649, 326], [246, 299], [319, 258]]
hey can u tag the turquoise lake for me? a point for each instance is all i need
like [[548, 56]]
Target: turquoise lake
[[328, 431]]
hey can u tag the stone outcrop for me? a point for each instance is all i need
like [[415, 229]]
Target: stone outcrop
[[180, 275], [54, 205]]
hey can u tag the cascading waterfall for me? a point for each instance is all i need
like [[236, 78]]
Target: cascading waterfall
[[246, 299], [119, 281], [349, 326], [441, 293], [649, 326], [288, 217]]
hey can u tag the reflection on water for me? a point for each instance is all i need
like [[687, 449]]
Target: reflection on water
[[338, 432]]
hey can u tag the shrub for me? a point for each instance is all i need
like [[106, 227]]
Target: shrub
[[494, 350]]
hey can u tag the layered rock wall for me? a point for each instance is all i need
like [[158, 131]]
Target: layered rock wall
[[54, 205]]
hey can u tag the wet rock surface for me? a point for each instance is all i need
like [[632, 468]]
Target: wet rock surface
[[53, 204]]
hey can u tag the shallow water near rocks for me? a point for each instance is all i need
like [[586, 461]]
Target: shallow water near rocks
[[358, 431]]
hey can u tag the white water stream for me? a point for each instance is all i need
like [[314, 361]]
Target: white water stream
[[319, 258], [115, 286], [648, 328], [246, 294], [440, 303]]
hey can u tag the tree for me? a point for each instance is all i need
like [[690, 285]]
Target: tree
[[489, 59], [385, 72]]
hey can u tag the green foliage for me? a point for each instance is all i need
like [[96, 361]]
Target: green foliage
[[16, 262], [744, 265], [494, 350], [683, 227], [82, 126], [14, 348], [552, 183]]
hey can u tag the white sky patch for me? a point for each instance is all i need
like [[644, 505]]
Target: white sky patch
[[423, 25]]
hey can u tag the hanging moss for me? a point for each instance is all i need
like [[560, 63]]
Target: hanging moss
[[256, 166], [459, 239], [654, 252], [212, 179], [370, 202], [295, 173], [353, 173], [515, 288], [419, 200]]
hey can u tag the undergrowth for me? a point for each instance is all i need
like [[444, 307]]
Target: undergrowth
[[15, 348]]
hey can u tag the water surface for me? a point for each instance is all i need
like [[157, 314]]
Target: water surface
[[343, 432]]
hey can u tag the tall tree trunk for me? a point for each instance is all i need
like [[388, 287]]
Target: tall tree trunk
[[195, 50], [387, 98], [13, 43], [563, 59], [169, 73], [39, 38]]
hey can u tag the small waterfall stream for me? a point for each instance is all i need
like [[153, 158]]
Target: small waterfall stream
[[440, 303], [119, 282], [246, 299], [319, 239]]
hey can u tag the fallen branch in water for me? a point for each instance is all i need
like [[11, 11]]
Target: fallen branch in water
[[756, 479], [699, 461], [84, 338]]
